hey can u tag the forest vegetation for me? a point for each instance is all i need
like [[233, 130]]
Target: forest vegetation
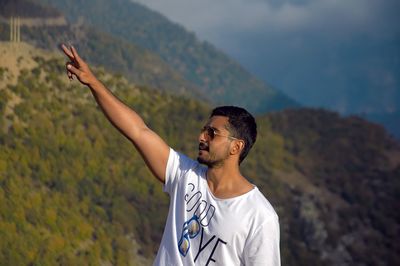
[[74, 191]]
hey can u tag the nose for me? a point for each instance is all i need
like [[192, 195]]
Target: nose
[[203, 137]]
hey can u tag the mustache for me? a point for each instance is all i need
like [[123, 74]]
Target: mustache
[[203, 146]]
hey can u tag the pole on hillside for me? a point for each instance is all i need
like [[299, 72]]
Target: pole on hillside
[[18, 29], [11, 28], [15, 29]]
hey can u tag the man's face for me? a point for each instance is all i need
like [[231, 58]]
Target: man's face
[[214, 142]]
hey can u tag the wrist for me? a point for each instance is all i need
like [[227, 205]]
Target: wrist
[[94, 84]]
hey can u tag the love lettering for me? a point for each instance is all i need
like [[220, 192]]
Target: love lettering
[[203, 247]]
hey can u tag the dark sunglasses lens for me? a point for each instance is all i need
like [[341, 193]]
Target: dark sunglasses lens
[[210, 132]]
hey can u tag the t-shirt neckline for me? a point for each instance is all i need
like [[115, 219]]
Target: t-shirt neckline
[[225, 199]]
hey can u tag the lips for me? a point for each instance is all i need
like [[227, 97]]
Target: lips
[[203, 146]]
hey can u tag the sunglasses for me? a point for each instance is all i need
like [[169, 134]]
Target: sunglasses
[[190, 230], [211, 133]]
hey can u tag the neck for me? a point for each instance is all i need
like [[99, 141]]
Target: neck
[[222, 175], [226, 181]]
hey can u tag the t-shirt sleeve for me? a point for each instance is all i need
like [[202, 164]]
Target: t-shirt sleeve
[[177, 166], [263, 247]]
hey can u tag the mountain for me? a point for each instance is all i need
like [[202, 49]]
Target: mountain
[[220, 79], [118, 56], [73, 191]]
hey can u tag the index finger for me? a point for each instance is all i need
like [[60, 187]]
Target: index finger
[[67, 52]]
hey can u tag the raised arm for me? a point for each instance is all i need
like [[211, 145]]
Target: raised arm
[[153, 149]]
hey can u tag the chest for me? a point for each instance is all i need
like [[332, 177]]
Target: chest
[[226, 220]]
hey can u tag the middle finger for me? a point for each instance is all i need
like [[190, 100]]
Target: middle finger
[[68, 52]]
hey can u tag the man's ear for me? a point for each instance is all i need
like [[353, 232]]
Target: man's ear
[[237, 146]]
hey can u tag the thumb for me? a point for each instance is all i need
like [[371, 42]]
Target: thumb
[[71, 68], [84, 76]]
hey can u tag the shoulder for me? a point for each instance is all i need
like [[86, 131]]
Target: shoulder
[[262, 242], [179, 167], [264, 220], [262, 212], [182, 162]]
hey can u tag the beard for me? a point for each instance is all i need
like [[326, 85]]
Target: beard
[[211, 163], [210, 159]]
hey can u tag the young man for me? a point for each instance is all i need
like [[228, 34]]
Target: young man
[[216, 216]]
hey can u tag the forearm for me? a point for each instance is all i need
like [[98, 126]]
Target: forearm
[[127, 121]]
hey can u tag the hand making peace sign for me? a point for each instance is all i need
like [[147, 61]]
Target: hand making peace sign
[[77, 67]]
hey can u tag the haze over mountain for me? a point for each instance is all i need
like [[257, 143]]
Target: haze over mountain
[[341, 55]]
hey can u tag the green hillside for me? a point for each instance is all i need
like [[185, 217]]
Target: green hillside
[[220, 79], [73, 191]]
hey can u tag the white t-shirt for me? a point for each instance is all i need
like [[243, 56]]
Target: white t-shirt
[[204, 230]]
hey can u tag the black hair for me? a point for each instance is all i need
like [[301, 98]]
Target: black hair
[[242, 125]]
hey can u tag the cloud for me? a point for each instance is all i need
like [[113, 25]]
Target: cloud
[[209, 17]]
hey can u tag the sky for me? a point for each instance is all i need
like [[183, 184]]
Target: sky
[[340, 54]]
